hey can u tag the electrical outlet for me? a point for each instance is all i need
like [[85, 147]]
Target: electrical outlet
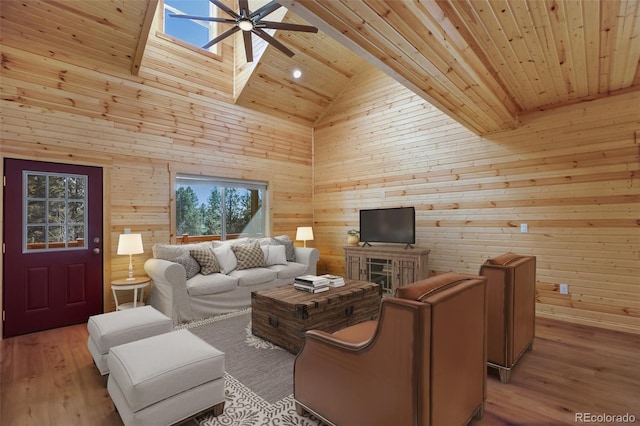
[[524, 228], [564, 289]]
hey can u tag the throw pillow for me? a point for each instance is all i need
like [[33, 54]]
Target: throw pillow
[[190, 265], [274, 255], [171, 251], [207, 260], [288, 245], [167, 251], [248, 255], [226, 258]]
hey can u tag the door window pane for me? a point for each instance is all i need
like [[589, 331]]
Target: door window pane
[[57, 210], [76, 188], [56, 186], [36, 211], [37, 186], [54, 211], [36, 235]]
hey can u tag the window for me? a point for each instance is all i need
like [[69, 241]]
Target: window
[[193, 32], [54, 213], [222, 208]]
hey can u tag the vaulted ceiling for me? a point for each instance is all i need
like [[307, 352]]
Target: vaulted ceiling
[[483, 62]]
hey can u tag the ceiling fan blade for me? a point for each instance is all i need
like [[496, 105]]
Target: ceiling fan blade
[[248, 45], [243, 8], [264, 11], [221, 37], [225, 8], [203, 18], [266, 37], [287, 27]]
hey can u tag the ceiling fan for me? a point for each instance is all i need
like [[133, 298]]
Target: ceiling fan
[[249, 22]]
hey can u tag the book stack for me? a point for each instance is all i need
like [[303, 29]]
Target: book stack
[[334, 280], [311, 283]]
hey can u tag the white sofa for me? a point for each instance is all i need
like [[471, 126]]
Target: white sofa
[[199, 296]]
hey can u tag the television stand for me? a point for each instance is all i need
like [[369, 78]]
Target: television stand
[[389, 266]]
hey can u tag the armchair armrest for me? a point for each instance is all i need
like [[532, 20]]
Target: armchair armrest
[[308, 256], [169, 291]]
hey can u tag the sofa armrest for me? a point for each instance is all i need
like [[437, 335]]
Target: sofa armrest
[[308, 256], [169, 291]]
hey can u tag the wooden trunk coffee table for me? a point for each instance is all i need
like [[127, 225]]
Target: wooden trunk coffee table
[[283, 314]]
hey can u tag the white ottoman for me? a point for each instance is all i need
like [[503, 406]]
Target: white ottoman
[[165, 379], [115, 328]]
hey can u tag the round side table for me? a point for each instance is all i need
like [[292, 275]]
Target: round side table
[[137, 283]]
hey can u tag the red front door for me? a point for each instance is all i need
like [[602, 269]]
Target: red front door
[[53, 245]]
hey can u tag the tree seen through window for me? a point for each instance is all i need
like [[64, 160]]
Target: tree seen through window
[[204, 208]]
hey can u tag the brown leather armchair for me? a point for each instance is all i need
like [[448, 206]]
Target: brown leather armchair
[[511, 292], [423, 362]]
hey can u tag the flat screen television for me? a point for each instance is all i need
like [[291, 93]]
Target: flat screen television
[[391, 225]]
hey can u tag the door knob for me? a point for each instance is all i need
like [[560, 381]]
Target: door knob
[[96, 250]]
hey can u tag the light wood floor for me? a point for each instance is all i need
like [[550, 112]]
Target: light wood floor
[[48, 378]]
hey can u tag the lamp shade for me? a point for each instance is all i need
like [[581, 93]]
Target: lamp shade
[[130, 244], [304, 233]]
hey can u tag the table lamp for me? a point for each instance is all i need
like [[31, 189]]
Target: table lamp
[[304, 233], [130, 244]]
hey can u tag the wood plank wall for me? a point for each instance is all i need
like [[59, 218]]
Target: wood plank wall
[[141, 130], [572, 174]]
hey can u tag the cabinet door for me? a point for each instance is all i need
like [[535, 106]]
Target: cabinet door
[[380, 271], [354, 267], [405, 269]]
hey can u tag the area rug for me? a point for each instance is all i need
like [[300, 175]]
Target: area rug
[[258, 378]]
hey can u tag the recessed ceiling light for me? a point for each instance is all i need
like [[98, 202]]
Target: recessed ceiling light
[[297, 73]]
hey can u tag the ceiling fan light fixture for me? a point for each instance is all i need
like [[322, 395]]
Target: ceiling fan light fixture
[[245, 24], [249, 23]]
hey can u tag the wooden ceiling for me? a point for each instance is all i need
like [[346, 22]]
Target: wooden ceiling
[[483, 62], [326, 66]]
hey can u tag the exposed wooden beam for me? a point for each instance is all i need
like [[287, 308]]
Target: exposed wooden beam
[[152, 5]]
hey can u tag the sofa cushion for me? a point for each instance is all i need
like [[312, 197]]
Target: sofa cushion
[[248, 255], [201, 285], [190, 265], [290, 270], [274, 255], [207, 260], [253, 276]]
